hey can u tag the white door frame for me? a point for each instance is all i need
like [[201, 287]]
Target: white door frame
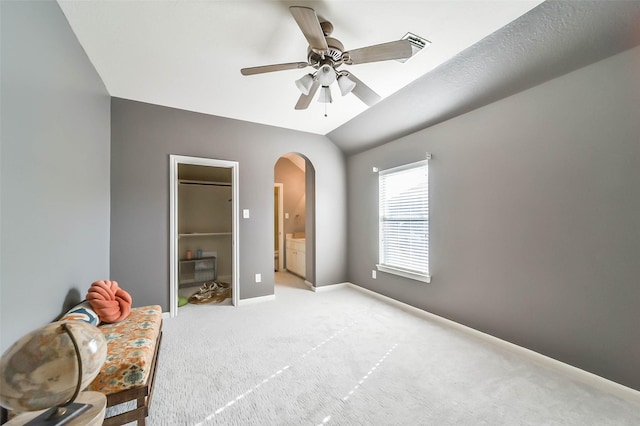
[[280, 187], [174, 160]]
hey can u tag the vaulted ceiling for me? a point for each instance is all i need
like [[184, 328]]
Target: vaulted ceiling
[[188, 54]]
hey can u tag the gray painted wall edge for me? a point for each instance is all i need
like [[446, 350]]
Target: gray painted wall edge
[[55, 169], [534, 218]]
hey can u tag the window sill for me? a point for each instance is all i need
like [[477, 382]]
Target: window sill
[[405, 274]]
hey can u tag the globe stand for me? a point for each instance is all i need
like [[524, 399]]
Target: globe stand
[[54, 417], [64, 413]]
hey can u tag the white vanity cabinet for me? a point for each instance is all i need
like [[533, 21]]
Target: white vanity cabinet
[[295, 256]]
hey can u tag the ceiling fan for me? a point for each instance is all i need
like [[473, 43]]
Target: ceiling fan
[[326, 54]]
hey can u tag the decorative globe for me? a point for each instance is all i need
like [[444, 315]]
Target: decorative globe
[[41, 369]]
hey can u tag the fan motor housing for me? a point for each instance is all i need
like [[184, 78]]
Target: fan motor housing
[[336, 49]]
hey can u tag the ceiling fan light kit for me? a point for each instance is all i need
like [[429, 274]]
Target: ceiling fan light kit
[[325, 95], [304, 83], [326, 54], [326, 75], [345, 84]]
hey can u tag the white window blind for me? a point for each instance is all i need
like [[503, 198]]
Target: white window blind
[[404, 221]]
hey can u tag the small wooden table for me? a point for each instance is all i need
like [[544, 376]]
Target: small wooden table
[[94, 416]]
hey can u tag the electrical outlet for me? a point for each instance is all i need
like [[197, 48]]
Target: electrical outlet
[[258, 278], [373, 274]]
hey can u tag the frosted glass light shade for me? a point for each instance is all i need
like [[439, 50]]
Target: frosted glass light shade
[[326, 75], [345, 84], [304, 83], [325, 95]]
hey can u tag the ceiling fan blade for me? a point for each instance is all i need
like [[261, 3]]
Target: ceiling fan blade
[[271, 68], [364, 92], [399, 49], [308, 22], [305, 100]]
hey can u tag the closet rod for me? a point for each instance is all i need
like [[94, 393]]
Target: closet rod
[[203, 182]]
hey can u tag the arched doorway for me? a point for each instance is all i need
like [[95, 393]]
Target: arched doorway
[[294, 217]]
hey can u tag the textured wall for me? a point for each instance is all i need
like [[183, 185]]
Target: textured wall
[[534, 218], [55, 168], [143, 137]]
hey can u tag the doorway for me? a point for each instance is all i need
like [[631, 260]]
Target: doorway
[[278, 226], [204, 236], [294, 214]]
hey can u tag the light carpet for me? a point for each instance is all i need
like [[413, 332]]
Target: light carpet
[[342, 357]]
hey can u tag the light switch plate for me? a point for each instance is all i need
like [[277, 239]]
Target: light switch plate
[[258, 278], [245, 213]]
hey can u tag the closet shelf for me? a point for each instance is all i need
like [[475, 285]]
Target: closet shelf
[[204, 234]]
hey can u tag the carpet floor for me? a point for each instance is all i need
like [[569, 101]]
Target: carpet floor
[[341, 357]]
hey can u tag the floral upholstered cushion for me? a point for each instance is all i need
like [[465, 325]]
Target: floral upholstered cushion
[[130, 349]]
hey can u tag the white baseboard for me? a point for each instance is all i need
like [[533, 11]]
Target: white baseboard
[[253, 300], [598, 382], [332, 287]]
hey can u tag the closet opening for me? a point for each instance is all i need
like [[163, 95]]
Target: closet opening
[[203, 249], [294, 221]]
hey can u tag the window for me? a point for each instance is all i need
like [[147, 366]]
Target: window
[[404, 221]]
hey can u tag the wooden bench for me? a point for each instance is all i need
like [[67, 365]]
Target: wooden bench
[[128, 373]]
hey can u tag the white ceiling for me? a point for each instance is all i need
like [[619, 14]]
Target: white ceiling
[[188, 54], [552, 39]]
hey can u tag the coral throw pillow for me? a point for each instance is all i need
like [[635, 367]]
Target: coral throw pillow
[[111, 303]]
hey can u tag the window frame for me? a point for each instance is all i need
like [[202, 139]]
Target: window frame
[[394, 269]]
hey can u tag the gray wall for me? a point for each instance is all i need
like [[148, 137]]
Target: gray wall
[[54, 168], [143, 137], [535, 208]]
